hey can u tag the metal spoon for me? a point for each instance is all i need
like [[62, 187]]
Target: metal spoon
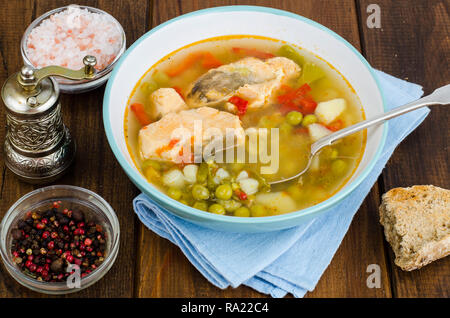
[[440, 96]]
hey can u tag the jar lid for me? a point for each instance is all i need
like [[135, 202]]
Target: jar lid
[[22, 102]]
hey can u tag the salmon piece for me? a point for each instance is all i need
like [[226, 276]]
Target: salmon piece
[[250, 78], [167, 138], [164, 101]]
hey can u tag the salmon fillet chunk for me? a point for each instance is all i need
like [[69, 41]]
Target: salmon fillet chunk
[[164, 101], [168, 138], [250, 78]]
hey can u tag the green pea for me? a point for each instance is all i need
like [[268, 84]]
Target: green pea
[[294, 118], [309, 119], [202, 173], [229, 205], [216, 209], [174, 193], [242, 212], [258, 210], [224, 192], [265, 122], [338, 166], [200, 192], [285, 128], [334, 154], [237, 166], [201, 205], [295, 191]]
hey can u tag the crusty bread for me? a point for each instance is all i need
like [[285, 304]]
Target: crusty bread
[[416, 223]]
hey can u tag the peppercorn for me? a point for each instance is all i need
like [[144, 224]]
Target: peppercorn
[[44, 243], [16, 234], [57, 265], [78, 216]]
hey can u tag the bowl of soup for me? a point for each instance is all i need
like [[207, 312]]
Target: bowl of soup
[[206, 110]]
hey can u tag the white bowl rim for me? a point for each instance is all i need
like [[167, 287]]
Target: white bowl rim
[[163, 199]]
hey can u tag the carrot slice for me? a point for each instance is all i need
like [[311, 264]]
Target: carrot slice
[[336, 125], [210, 61], [190, 60], [140, 113], [241, 104], [167, 147]]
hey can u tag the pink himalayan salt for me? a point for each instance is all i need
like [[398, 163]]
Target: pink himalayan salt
[[66, 37]]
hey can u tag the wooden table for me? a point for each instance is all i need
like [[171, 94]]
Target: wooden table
[[413, 43]]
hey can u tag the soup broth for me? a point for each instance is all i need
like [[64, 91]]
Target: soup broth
[[305, 99]]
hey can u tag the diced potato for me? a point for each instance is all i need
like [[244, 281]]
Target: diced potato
[[281, 201], [328, 111], [317, 131], [174, 178], [249, 185], [242, 175], [315, 163], [190, 173]]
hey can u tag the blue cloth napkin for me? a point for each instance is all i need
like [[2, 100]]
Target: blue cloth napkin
[[286, 261]]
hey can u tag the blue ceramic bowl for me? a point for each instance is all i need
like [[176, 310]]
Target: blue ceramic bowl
[[248, 20]]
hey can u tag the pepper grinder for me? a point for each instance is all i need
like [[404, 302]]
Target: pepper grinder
[[38, 146]]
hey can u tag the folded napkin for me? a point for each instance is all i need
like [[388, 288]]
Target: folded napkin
[[285, 261]]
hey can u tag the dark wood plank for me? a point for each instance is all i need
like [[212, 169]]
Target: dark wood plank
[[18, 14], [95, 167], [163, 271], [414, 44]]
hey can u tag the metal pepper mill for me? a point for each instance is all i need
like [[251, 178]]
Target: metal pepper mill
[[38, 147]]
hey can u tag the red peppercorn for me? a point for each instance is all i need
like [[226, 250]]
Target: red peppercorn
[[46, 267], [81, 224], [89, 249], [69, 258], [15, 254], [65, 211], [77, 261], [30, 257], [93, 266], [72, 223], [65, 228], [82, 246], [83, 275], [88, 241], [60, 276], [51, 245], [32, 267], [39, 269], [54, 235], [46, 234], [28, 263], [45, 221], [40, 226], [44, 273], [77, 231]]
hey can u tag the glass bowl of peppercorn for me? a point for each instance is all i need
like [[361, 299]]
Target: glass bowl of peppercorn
[[59, 239]]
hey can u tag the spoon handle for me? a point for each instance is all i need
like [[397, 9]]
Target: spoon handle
[[440, 96]]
